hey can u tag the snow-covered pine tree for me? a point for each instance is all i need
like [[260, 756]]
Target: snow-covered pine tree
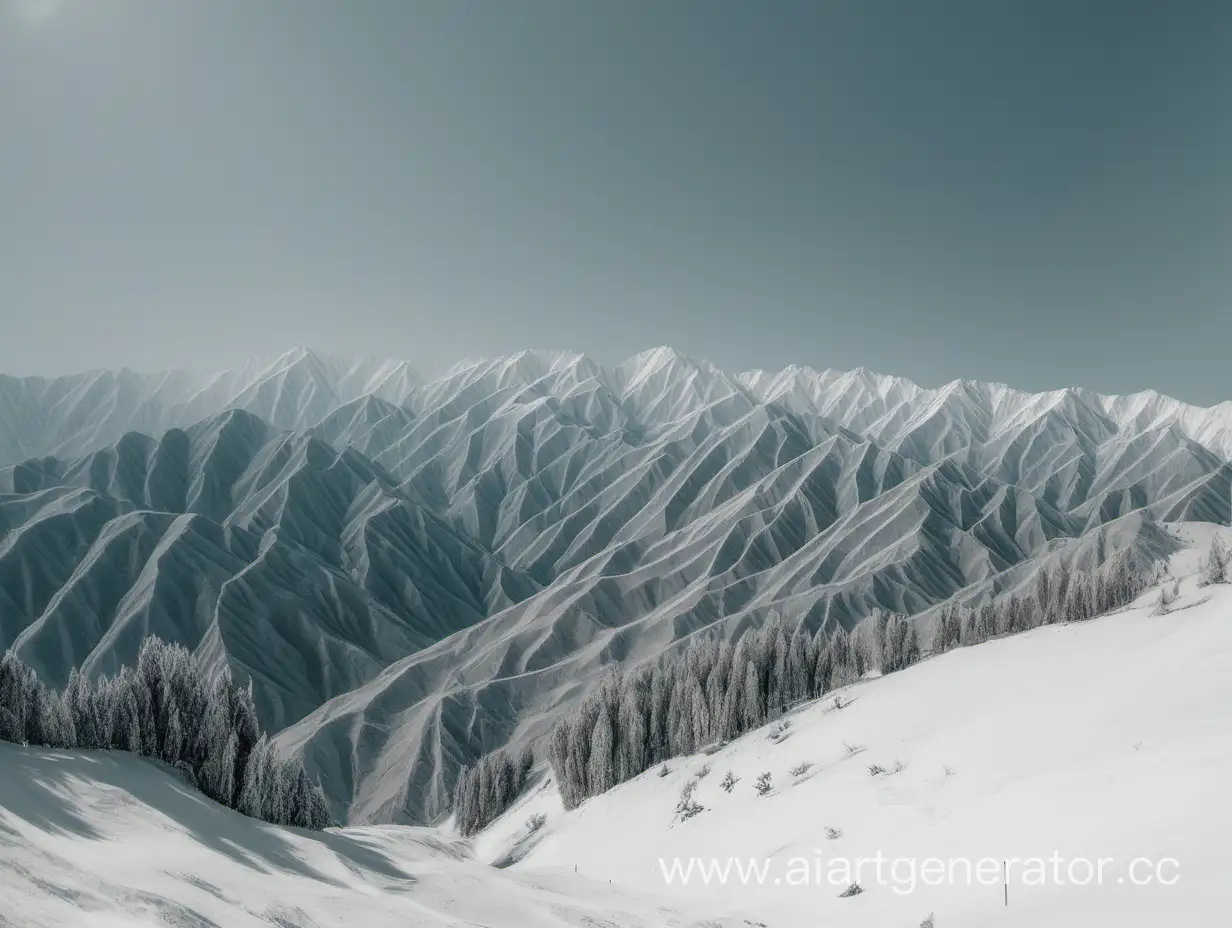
[[844, 670], [1218, 557], [796, 686], [1060, 592], [823, 666], [753, 699], [1043, 596], [986, 622], [602, 772], [777, 645]]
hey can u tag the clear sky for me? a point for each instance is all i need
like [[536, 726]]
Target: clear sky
[[1037, 192]]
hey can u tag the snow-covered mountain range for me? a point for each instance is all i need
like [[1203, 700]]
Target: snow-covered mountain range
[[412, 572]]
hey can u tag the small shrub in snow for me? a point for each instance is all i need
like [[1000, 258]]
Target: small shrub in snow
[[875, 770], [851, 749], [949, 771], [686, 795], [704, 772], [839, 704], [853, 890], [729, 781], [833, 834], [762, 784], [690, 809], [1168, 594], [687, 806], [535, 822], [928, 922], [1163, 602], [801, 770], [899, 767], [779, 731]]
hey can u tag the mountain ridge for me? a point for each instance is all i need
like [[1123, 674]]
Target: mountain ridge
[[415, 572]]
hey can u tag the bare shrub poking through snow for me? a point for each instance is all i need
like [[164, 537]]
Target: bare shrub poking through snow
[[690, 809], [703, 772], [729, 781], [762, 784], [833, 834], [687, 806], [1168, 594], [686, 795], [853, 890], [535, 822], [928, 922], [876, 770], [801, 770], [849, 749]]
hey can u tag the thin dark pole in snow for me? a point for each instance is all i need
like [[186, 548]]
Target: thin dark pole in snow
[[1005, 879]]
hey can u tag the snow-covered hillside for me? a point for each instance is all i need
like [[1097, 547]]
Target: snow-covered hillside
[[102, 840], [415, 573], [1103, 739]]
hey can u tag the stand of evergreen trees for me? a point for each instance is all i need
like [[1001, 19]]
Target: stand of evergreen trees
[[484, 792], [167, 708], [1059, 594], [713, 691]]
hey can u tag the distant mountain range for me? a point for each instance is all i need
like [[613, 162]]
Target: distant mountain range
[[412, 573]]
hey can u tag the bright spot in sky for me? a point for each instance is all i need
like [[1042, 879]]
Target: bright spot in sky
[[35, 11]]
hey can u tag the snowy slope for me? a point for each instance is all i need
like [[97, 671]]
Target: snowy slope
[[414, 573], [101, 840], [1102, 739]]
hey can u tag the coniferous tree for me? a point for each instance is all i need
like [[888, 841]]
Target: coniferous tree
[[1215, 569], [1043, 596], [601, 773], [823, 665], [844, 668], [1060, 592], [796, 685]]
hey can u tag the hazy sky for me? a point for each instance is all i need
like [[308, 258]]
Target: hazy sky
[[1033, 192]]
